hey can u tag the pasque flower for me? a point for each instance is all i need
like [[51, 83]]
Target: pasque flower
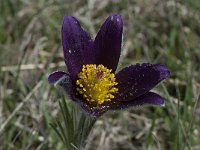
[[91, 80]]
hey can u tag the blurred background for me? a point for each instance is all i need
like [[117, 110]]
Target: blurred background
[[155, 31]]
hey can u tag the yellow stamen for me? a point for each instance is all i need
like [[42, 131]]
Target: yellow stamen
[[96, 84]]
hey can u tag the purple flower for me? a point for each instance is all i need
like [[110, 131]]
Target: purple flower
[[91, 81]]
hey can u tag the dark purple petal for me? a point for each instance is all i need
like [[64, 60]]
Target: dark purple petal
[[108, 42], [56, 76], [90, 109], [138, 79], [148, 98], [61, 79], [77, 45]]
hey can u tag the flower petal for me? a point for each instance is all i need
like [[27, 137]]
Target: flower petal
[[77, 45], [61, 79], [138, 79], [89, 108], [56, 76], [148, 98], [108, 42]]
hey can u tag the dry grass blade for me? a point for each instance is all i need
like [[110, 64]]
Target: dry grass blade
[[37, 86]]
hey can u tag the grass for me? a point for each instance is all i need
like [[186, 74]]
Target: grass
[[155, 31]]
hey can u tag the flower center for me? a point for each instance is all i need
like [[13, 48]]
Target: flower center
[[96, 83]]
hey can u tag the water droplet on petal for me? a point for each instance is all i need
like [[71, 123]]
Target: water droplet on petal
[[112, 18]]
